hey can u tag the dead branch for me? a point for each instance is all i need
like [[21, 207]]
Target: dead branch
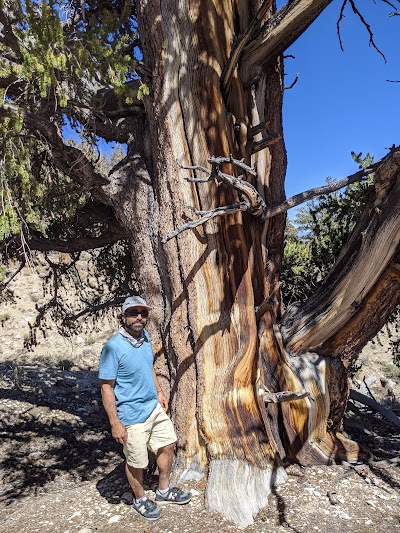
[[317, 191], [389, 4], [254, 203], [296, 79], [368, 389], [216, 161], [266, 141], [284, 396], [277, 34], [243, 187], [252, 132], [375, 406], [14, 274], [363, 21], [196, 167], [208, 215]]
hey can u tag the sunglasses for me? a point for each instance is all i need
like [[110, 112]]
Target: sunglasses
[[135, 313]]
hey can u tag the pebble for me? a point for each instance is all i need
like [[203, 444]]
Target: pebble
[[115, 518]]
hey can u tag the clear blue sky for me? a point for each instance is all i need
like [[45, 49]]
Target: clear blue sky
[[341, 101]]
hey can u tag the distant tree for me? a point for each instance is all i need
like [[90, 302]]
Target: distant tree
[[318, 232], [194, 90]]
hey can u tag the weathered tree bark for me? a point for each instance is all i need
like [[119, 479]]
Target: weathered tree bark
[[249, 383], [222, 359]]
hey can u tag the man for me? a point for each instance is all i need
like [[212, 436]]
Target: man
[[136, 407]]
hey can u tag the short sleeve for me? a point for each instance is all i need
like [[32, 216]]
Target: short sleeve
[[108, 365]]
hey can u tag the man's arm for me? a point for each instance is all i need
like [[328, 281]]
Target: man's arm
[[118, 430], [161, 398]]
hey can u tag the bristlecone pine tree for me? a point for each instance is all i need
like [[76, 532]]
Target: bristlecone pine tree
[[194, 90]]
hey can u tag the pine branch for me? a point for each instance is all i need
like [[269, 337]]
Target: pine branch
[[70, 160], [40, 243]]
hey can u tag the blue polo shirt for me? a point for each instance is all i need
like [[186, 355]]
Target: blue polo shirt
[[132, 370]]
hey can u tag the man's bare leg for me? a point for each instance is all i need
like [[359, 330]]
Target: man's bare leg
[[135, 478], [165, 456]]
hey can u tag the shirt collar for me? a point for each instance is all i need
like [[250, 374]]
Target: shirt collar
[[136, 342]]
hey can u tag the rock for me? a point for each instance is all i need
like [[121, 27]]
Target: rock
[[114, 519]]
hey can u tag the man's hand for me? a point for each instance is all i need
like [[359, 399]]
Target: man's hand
[[118, 431], [163, 400]]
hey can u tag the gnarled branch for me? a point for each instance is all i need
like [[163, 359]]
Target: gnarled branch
[[282, 30], [253, 202], [37, 241], [281, 396], [207, 215]]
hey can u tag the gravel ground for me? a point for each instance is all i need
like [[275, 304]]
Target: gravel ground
[[61, 472]]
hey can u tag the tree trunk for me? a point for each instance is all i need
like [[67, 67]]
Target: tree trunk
[[224, 361], [249, 382]]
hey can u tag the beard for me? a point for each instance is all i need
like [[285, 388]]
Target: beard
[[136, 328]]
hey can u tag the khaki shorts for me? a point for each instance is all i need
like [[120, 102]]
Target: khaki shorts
[[154, 433]]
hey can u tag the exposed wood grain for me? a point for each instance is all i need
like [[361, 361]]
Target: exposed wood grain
[[349, 285], [279, 33]]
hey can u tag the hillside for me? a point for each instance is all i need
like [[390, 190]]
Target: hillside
[[62, 472]]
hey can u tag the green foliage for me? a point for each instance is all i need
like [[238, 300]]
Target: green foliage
[[33, 193], [61, 53], [57, 51], [143, 91], [321, 229], [392, 370], [298, 272]]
